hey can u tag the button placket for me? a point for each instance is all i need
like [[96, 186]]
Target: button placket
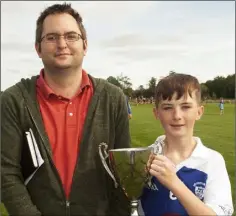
[[70, 114]]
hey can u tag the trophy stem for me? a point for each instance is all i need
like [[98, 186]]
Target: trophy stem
[[134, 207]]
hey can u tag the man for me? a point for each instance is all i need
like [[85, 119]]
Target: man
[[69, 113]]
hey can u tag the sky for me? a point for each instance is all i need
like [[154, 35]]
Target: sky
[[136, 39]]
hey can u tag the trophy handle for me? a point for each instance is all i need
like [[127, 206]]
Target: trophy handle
[[156, 149], [104, 155]]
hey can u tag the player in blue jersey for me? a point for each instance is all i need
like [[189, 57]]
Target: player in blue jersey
[[129, 108], [221, 106], [188, 178]]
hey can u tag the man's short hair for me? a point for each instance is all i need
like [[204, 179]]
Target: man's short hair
[[182, 84], [58, 9]]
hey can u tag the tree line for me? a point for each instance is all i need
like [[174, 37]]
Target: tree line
[[212, 89]]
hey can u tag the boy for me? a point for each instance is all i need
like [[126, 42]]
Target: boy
[[188, 178]]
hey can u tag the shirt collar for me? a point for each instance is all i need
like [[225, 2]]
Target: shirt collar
[[47, 91], [198, 152]]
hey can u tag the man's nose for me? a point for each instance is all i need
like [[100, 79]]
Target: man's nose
[[61, 42]]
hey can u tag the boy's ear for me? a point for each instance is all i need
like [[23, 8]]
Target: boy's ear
[[200, 112], [155, 112]]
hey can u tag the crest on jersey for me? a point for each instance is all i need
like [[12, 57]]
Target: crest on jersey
[[199, 189]]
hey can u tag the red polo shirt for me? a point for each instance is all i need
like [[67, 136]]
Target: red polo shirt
[[63, 120]]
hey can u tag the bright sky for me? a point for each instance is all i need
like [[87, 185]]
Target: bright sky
[[138, 39]]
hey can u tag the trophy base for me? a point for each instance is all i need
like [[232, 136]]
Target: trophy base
[[134, 208]]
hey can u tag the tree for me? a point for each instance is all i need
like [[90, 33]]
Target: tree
[[152, 85], [128, 92], [213, 95], [230, 87], [124, 81], [139, 91], [172, 72], [222, 87], [204, 91], [114, 81], [141, 88]]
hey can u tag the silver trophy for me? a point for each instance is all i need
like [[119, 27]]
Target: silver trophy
[[128, 168]]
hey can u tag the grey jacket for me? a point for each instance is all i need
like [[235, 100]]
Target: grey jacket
[[92, 191]]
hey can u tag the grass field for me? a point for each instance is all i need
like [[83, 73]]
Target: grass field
[[216, 132]]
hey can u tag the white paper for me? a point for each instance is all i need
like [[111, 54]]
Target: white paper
[[31, 148], [36, 156]]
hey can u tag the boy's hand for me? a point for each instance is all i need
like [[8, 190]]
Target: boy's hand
[[150, 159], [164, 170]]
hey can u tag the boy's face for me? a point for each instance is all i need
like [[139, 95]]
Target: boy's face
[[178, 116]]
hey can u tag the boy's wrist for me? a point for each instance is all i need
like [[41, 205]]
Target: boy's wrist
[[176, 186]]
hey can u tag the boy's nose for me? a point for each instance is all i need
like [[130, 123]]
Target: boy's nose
[[177, 114]]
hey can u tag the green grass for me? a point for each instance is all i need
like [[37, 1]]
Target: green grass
[[216, 132]]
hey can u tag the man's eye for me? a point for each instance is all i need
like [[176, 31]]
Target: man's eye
[[51, 37], [71, 36]]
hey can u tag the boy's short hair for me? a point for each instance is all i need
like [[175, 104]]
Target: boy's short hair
[[182, 84]]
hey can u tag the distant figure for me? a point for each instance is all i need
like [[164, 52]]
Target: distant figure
[[136, 101], [221, 105], [129, 109]]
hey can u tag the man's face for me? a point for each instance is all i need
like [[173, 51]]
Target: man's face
[[178, 116], [61, 54]]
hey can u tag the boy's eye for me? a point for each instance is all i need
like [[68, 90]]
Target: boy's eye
[[186, 107], [166, 108]]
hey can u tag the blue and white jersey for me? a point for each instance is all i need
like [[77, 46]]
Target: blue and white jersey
[[221, 105], [128, 105], [204, 173]]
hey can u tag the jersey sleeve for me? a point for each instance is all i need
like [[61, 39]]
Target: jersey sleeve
[[218, 195]]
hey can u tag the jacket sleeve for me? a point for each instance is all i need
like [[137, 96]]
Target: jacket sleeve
[[119, 203], [122, 132], [14, 193]]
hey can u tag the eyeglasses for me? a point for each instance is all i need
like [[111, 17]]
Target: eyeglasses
[[69, 37]]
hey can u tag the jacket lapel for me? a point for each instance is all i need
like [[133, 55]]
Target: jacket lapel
[[34, 111]]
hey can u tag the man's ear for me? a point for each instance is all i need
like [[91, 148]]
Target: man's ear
[[85, 46], [155, 112], [200, 112], [38, 49]]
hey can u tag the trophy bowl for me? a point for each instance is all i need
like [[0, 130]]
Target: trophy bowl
[[128, 168]]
